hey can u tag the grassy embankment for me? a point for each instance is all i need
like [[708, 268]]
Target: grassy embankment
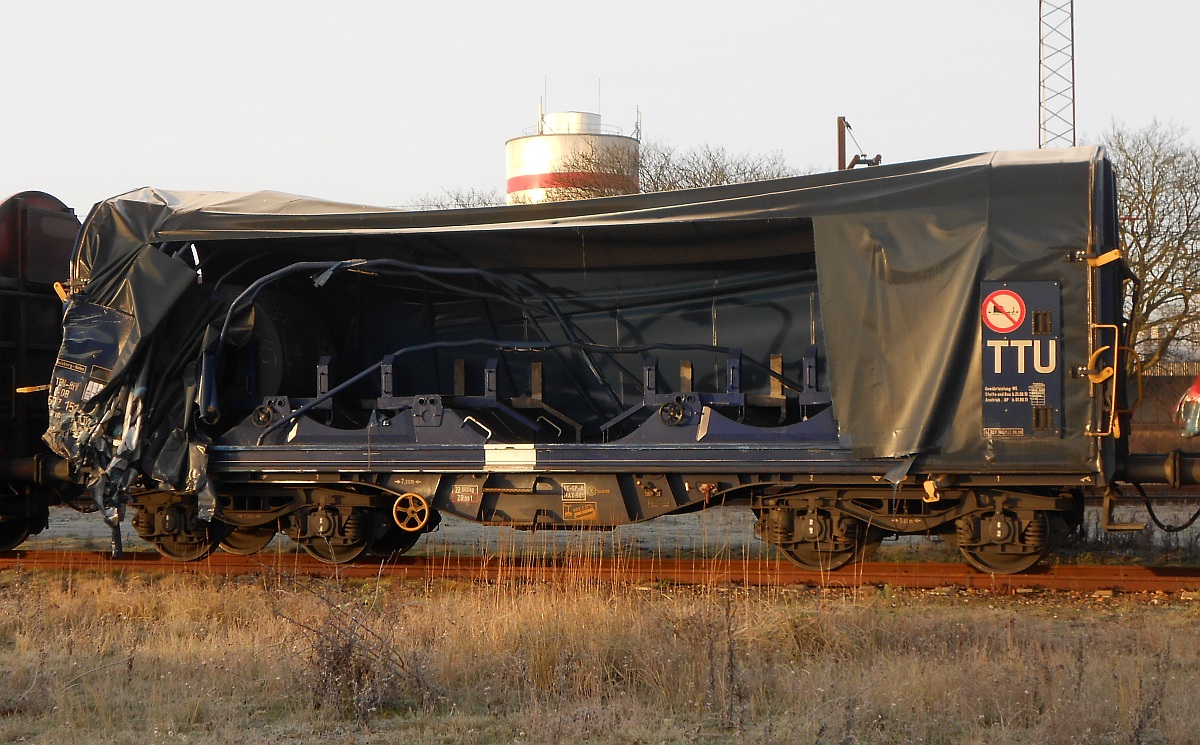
[[158, 658]]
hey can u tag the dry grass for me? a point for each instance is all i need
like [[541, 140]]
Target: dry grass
[[158, 659]]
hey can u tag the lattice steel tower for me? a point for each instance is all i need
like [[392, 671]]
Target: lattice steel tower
[[1057, 73]]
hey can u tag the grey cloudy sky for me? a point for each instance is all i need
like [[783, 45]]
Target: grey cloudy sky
[[380, 102]]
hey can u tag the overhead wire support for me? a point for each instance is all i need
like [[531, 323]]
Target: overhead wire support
[[1056, 73], [860, 159]]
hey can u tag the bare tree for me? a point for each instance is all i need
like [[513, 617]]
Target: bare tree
[[451, 199], [595, 170], [1158, 187], [663, 168], [599, 171]]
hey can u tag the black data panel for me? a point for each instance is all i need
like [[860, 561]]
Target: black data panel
[[1022, 354]]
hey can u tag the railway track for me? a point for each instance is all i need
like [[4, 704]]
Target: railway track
[[760, 573]]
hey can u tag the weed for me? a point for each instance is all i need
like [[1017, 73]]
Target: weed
[[355, 668], [27, 691]]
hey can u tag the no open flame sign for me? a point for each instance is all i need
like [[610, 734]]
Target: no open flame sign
[[1003, 311]]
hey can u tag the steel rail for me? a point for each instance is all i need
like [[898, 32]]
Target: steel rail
[[697, 571]]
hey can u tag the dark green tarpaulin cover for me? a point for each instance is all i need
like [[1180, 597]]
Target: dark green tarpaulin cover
[[900, 249]]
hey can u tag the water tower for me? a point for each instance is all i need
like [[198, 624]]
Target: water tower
[[568, 155]]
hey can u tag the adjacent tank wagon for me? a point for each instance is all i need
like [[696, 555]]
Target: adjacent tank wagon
[[37, 233]]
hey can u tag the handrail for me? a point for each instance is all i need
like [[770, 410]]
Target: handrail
[[1107, 374]]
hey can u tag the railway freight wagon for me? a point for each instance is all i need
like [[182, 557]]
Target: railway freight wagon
[[37, 232], [929, 348]]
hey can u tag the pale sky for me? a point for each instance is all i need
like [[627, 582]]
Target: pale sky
[[381, 102]]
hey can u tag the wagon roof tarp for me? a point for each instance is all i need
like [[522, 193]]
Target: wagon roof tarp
[[901, 250]]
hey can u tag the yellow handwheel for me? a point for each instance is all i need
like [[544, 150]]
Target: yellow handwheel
[[411, 512]]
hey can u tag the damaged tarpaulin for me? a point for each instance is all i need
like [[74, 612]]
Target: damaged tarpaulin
[[900, 254]]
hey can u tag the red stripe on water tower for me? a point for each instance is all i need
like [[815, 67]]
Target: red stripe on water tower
[[572, 179]]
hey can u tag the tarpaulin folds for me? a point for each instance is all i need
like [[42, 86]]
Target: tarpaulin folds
[[900, 251]]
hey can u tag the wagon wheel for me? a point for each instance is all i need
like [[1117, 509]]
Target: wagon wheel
[[1008, 557], [186, 547], [248, 540], [179, 536], [14, 529], [323, 550], [828, 556]]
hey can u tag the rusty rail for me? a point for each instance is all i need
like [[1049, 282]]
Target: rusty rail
[[618, 569]]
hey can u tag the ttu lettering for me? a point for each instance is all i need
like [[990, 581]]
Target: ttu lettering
[[1045, 362]]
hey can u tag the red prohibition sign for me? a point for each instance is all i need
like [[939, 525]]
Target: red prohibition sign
[[1003, 311]]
